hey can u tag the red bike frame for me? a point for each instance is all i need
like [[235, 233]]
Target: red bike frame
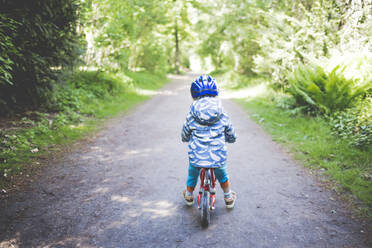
[[207, 186]]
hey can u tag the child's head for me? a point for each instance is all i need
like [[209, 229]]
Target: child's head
[[204, 86]]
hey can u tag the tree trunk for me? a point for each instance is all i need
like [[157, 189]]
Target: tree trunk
[[177, 62]]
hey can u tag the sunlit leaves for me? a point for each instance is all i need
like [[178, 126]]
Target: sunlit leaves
[[122, 29], [323, 92]]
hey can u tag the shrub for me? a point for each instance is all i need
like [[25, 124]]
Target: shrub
[[98, 83], [38, 40], [7, 49], [354, 124], [85, 88], [152, 57], [324, 93]]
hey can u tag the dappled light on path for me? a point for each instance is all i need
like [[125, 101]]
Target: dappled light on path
[[101, 190], [145, 152], [119, 198], [156, 209], [145, 92], [159, 209], [162, 92]]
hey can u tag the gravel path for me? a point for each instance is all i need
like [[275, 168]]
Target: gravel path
[[124, 190]]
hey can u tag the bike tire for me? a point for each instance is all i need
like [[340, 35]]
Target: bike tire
[[205, 213]]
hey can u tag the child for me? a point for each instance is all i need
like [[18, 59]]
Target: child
[[207, 128]]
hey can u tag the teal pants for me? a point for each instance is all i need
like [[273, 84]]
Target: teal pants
[[220, 173]]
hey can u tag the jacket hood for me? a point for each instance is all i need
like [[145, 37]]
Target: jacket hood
[[206, 110]]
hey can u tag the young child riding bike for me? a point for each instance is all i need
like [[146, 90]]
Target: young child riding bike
[[207, 128]]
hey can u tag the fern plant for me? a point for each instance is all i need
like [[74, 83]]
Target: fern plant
[[324, 93]]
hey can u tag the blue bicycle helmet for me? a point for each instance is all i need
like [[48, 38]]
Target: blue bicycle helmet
[[205, 85]]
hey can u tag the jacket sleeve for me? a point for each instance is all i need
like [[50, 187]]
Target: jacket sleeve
[[186, 130], [230, 136]]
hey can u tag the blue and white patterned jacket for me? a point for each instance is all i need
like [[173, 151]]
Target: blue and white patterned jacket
[[207, 128]]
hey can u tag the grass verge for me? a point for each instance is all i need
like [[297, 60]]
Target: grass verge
[[79, 108], [310, 141]]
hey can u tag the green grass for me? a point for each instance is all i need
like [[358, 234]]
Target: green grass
[[311, 142], [146, 80], [83, 105]]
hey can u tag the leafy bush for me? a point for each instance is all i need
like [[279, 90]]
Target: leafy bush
[[98, 83], [354, 124], [323, 93], [7, 26], [288, 103], [299, 35], [35, 52], [152, 57], [294, 32], [86, 88], [357, 64]]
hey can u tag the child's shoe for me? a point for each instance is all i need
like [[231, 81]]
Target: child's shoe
[[189, 200], [230, 202]]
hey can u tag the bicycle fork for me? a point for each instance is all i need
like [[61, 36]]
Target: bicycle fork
[[207, 183]]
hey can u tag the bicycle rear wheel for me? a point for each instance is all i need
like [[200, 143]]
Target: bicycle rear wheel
[[204, 211]]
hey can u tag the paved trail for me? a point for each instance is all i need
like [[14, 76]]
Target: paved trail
[[124, 190]]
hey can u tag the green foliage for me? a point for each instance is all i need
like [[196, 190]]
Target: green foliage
[[212, 47], [356, 65], [86, 89], [130, 35], [230, 40], [323, 93], [152, 57], [36, 51], [274, 37], [7, 48], [355, 125], [98, 83], [289, 39]]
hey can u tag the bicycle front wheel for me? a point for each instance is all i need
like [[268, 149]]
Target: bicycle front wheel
[[204, 211]]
